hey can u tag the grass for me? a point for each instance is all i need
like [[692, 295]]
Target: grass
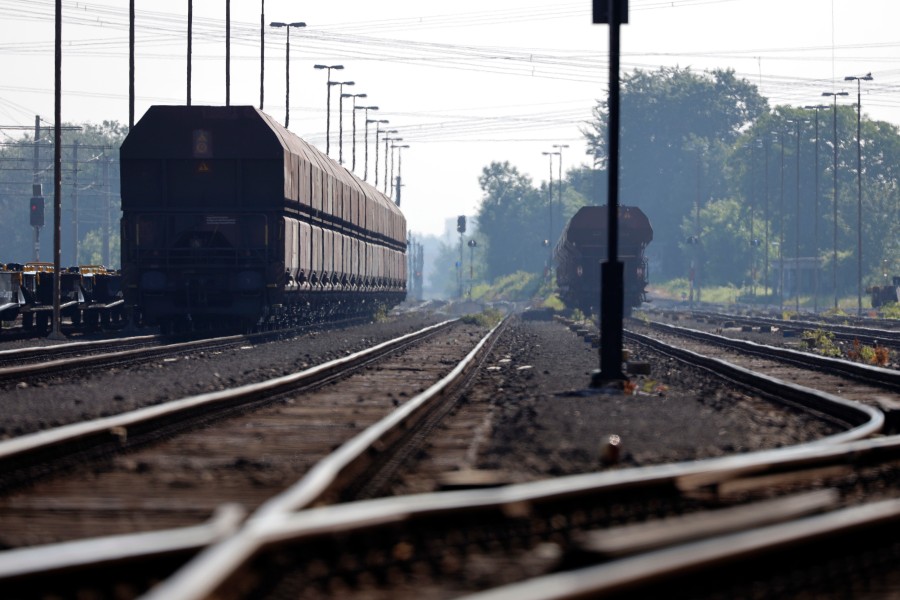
[[486, 318]]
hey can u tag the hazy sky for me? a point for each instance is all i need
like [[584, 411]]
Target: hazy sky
[[464, 83]]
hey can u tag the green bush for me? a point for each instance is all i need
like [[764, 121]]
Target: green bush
[[487, 318]]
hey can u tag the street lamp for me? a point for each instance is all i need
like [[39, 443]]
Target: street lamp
[[797, 122], [835, 194], [817, 108], [355, 108], [780, 242], [377, 125], [550, 155], [859, 80], [399, 168], [328, 104], [388, 139], [287, 66], [559, 148], [341, 85]]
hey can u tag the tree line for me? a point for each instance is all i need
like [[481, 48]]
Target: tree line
[[91, 206], [727, 181]]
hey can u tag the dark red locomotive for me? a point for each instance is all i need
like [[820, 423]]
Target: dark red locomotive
[[583, 246], [230, 218]]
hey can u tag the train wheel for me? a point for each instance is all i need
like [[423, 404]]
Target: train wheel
[[28, 320]]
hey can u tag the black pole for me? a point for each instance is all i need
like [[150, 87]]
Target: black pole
[[766, 212], [130, 64], [36, 249], [353, 153], [366, 144], [858, 198], [56, 334], [797, 228], [612, 271], [189, 40], [75, 204], [834, 205], [287, 77], [262, 49], [781, 230], [377, 133], [227, 52], [341, 125], [328, 116], [816, 222]]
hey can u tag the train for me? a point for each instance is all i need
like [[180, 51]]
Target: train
[[229, 220], [90, 295], [583, 246]]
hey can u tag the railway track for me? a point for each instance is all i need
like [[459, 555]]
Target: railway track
[[37, 363], [336, 550], [248, 459], [863, 330], [848, 380], [447, 544], [441, 545]]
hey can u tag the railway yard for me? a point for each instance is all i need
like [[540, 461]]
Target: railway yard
[[423, 455]]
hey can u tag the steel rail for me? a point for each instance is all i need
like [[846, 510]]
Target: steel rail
[[119, 431], [217, 562], [884, 337], [267, 526], [62, 365], [205, 577], [42, 352], [865, 420], [274, 527], [866, 373], [46, 561], [630, 576]]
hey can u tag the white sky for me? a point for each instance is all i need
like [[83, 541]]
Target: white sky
[[464, 83]]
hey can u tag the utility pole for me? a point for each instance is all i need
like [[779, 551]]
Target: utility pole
[[106, 193], [37, 190], [612, 272], [190, 33], [75, 205]]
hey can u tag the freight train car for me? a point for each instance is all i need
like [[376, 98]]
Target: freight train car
[[229, 218], [583, 246]]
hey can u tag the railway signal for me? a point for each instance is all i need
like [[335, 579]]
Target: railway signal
[[36, 213]]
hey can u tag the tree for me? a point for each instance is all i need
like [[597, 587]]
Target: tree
[[671, 119], [96, 190], [512, 218]]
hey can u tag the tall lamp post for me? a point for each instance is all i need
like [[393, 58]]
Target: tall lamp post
[[859, 80], [548, 242], [387, 140], [781, 134], [287, 66], [378, 132], [399, 179], [341, 95], [835, 193], [378, 123], [356, 108], [797, 123], [817, 108], [328, 104], [559, 148]]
